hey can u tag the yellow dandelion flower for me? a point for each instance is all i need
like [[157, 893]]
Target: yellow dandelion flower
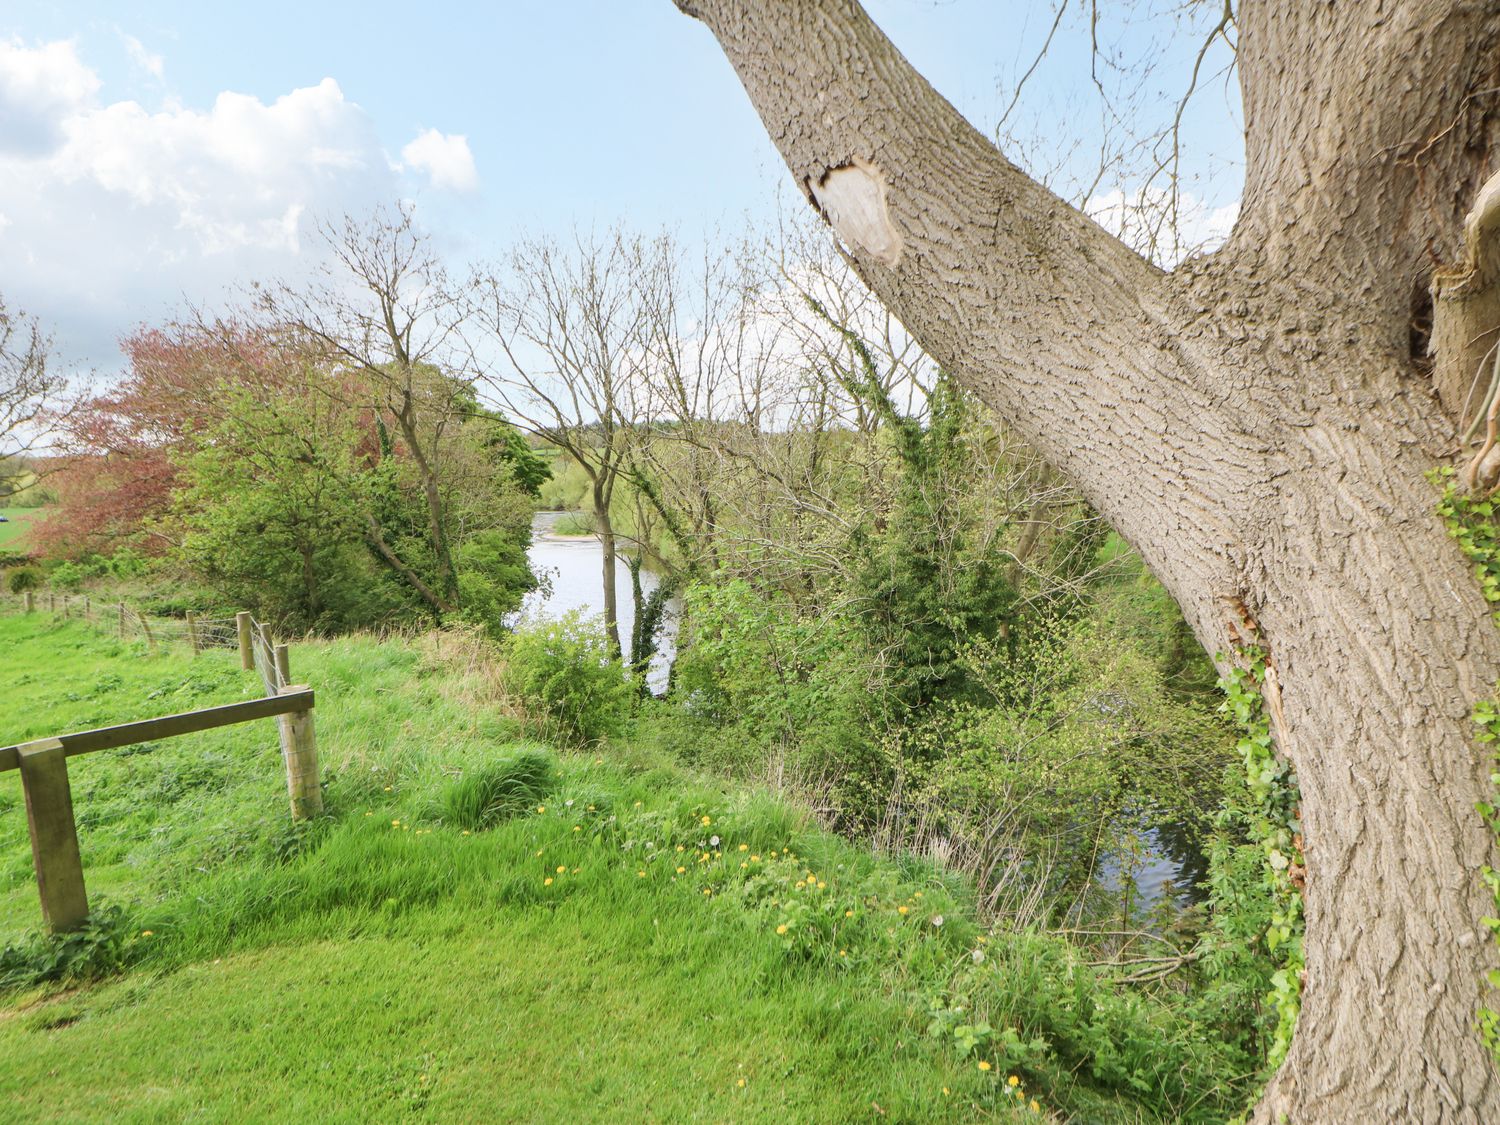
[[147, 933], [638, 804], [822, 886], [755, 859], [465, 832], [743, 866], [541, 808], [640, 874], [561, 869], [539, 851], [848, 914], [576, 870], [984, 1065], [945, 1091], [843, 953], [681, 870], [577, 828], [744, 847], [1013, 1081], [708, 890], [781, 929], [387, 788], [681, 848], [1034, 1107], [903, 910], [799, 884], [591, 808], [395, 824], [369, 814], [547, 882], [741, 1083], [706, 821], [918, 894]]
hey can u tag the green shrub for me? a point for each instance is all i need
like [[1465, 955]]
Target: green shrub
[[68, 576], [499, 790], [565, 671], [493, 577], [24, 578], [95, 949]]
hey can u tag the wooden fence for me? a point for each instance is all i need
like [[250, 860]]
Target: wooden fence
[[43, 763]]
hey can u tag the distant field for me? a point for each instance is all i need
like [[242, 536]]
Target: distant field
[[20, 519]]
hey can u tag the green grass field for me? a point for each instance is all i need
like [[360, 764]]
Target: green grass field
[[19, 520], [638, 945]]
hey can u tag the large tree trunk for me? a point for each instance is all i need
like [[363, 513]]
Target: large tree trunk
[[1258, 424]]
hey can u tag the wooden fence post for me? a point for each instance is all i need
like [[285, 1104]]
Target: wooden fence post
[[26, 601], [299, 750], [242, 625], [88, 608], [283, 665], [192, 632], [146, 628], [54, 837], [51, 603], [122, 621]]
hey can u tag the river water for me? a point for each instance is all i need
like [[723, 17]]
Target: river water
[[574, 566]]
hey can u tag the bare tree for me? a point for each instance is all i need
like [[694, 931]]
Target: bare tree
[[381, 305], [571, 329], [31, 385], [1258, 423]]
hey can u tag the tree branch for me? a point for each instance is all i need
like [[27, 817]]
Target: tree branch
[[1053, 322]]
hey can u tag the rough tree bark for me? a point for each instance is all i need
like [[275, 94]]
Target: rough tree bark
[[1258, 424]]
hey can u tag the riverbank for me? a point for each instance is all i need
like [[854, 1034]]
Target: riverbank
[[638, 938]]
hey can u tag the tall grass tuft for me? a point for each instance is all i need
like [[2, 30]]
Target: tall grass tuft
[[501, 789]]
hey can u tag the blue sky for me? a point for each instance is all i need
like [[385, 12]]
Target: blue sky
[[156, 152]]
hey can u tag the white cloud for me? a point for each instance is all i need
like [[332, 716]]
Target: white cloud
[[116, 212], [151, 63], [40, 87], [445, 157], [1141, 219]]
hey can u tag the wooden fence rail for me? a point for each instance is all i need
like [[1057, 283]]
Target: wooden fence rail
[[43, 763]]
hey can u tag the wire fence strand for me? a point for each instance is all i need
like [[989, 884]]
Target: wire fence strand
[[130, 625]]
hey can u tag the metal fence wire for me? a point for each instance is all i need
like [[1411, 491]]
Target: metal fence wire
[[128, 623]]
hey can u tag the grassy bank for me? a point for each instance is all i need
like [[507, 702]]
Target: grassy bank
[[557, 966], [616, 939]]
